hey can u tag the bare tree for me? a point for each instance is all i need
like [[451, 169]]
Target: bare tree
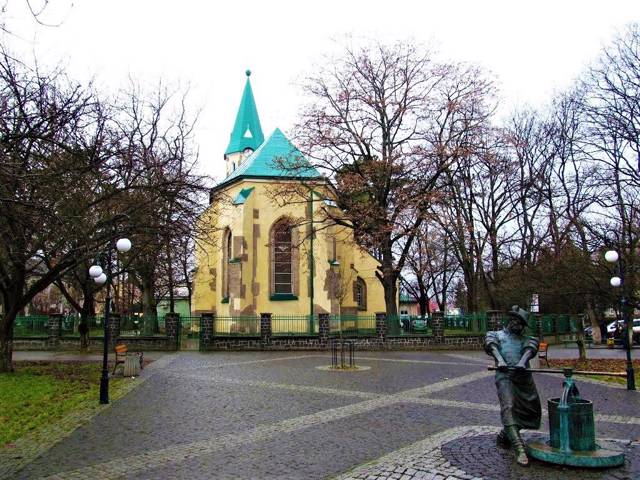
[[54, 148], [73, 177], [611, 107], [383, 125], [157, 140], [431, 268]]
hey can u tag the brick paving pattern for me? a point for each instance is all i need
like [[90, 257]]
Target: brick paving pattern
[[413, 415]]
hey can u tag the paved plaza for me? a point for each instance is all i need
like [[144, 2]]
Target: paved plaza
[[262, 415]]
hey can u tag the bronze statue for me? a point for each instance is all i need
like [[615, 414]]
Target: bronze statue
[[519, 400]]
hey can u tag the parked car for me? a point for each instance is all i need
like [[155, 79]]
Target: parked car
[[615, 326], [615, 329]]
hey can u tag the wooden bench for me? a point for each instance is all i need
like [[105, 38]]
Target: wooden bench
[[122, 352], [543, 349]]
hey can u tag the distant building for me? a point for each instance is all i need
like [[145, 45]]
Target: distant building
[[180, 303], [409, 305], [265, 259]]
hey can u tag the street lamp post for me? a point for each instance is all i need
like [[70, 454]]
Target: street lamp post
[[616, 281], [96, 272]]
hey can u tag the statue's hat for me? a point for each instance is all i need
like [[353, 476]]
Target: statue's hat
[[519, 313]]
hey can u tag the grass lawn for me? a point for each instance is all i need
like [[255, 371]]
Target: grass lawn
[[601, 365], [39, 393]]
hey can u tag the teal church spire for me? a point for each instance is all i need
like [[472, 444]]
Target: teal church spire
[[247, 132]]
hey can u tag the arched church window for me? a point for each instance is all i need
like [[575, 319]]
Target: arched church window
[[228, 244], [361, 294], [282, 259]]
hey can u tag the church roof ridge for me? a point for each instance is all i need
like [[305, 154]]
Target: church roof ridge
[[247, 131], [277, 157]]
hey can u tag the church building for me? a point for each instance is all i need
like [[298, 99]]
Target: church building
[[271, 252]]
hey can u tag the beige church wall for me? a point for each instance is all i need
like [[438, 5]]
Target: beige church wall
[[206, 278], [270, 212], [355, 263], [234, 218], [250, 224], [209, 282]]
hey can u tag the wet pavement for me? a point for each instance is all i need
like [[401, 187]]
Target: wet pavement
[[412, 415]]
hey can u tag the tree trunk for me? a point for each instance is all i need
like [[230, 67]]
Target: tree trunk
[[390, 294], [424, 307], [423, 301], [470, 284], [6, 341], [389, 278], [150, 311], [582, 351], [88, 310], [172, 303], [593, 321], [189, 296]]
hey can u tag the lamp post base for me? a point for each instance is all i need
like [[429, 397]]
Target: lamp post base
[[104, 388], [631, 379]]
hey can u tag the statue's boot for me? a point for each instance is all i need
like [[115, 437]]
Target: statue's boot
[[502, 440], [518, 445]]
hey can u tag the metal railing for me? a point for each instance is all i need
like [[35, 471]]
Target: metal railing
[[409, 326], [352, 325], [70, 326], [236, 326], [341, 348], [142, 326], [31, 326], [189, 326], [294, 325], [560, 324], [297, 325], [469, 324]]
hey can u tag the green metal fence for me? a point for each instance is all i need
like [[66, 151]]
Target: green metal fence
[[561, 324], [410, 326], [189, 333], [31, 326], [294, 325], [247, 326], [469, 324], [352, 325], [145, 326], [70, 326]]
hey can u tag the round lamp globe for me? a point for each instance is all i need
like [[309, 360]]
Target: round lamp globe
[[123, 245], [611, 256], [95, 271]]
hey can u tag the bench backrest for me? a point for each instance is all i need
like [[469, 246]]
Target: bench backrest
[[121, 349]]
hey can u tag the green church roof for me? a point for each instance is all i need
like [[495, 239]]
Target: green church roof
[[275, 158], [247, 132]]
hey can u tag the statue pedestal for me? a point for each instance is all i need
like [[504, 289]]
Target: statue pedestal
[[572, 434]]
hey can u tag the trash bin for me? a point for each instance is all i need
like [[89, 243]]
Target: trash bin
[[131, 366]]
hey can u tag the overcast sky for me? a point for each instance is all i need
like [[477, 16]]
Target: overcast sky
[[533, 47]]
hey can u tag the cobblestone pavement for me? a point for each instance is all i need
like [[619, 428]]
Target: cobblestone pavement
[[34, 444], [275, 415]]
